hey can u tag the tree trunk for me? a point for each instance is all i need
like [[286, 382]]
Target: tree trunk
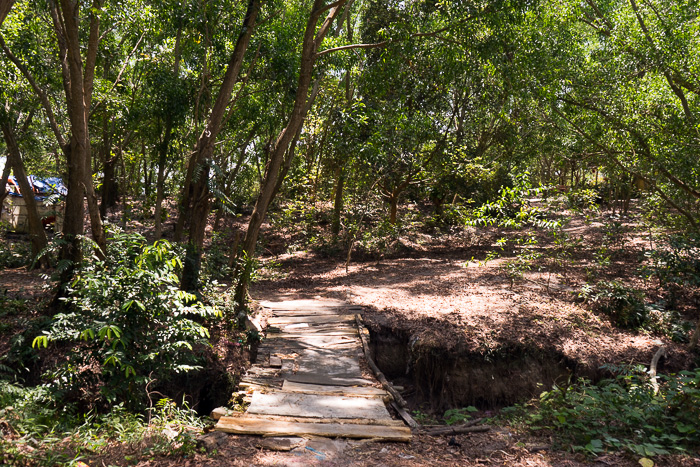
[[110, 193], [165, 148], [393, 208], [35, 227], [337, 201], [5, 7], [196, 201], [311, 42], [3, 184], [78, 86], [160, 184]]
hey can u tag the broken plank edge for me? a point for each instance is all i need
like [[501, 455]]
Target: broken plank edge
[[339, 421], [253, 426]]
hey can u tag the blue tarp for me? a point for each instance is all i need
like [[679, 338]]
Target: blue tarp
[[46, 188]]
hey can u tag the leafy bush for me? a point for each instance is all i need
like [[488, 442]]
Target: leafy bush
[[624, 305], [128, 321], [675, 266], [583, 199], [624, 413], [216, 259], [627, 308], [14, 254], [457, 416], [43, 432], [512, 209]]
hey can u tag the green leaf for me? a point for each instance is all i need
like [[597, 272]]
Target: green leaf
[[39, 340]]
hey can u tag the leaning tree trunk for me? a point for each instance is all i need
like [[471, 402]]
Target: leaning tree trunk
[[312, 41], [197, 195], [3, 184], [35, 227], [5, 7]]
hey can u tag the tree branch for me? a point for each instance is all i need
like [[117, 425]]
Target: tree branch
[[43, 98], [435, 33]]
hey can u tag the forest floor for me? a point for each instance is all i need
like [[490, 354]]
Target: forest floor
[[441, 289]]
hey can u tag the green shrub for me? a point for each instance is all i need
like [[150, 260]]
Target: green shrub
[[43, 432], [127, 322], [457, 416], [583, 199], [675, 266], [624, 305], [627, 308], [624, 413], [216, 259], [14, 254], [512, 208]]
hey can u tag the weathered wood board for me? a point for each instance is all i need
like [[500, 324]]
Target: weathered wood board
[[291, 386], [308, 335], [343, 421], [321, 319], [326, 380], [317, 405], [255, 426], [331, 362]]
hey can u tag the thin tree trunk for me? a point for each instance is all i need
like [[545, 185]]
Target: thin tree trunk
[[109, 186], [338, 201], [35, 227], [3, 184], [312, 40], [5, 7], [197, 204], [165, 148], [160, 178]]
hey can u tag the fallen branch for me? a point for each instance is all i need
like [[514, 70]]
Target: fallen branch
[[400, 402], [405, 415], [456, 430]]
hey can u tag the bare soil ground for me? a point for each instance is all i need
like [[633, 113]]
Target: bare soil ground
[[443, 289]]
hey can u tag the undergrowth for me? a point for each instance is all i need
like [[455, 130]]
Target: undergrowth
[[621, 413], [36, 431]]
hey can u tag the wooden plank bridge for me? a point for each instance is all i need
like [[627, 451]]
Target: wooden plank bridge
[[307, 380]]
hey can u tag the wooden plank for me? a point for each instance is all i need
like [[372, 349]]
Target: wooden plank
[[275, 361], [316, 327], [327, 380], [311, 319], [335, 363], [314, 312], [321, 333], [344, 421], [253, 381], [313, 330], [350, 391], [318, 406], [323, 303], [330, 430]]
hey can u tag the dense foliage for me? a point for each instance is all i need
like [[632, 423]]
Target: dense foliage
[[625, 412], [128, 322]]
